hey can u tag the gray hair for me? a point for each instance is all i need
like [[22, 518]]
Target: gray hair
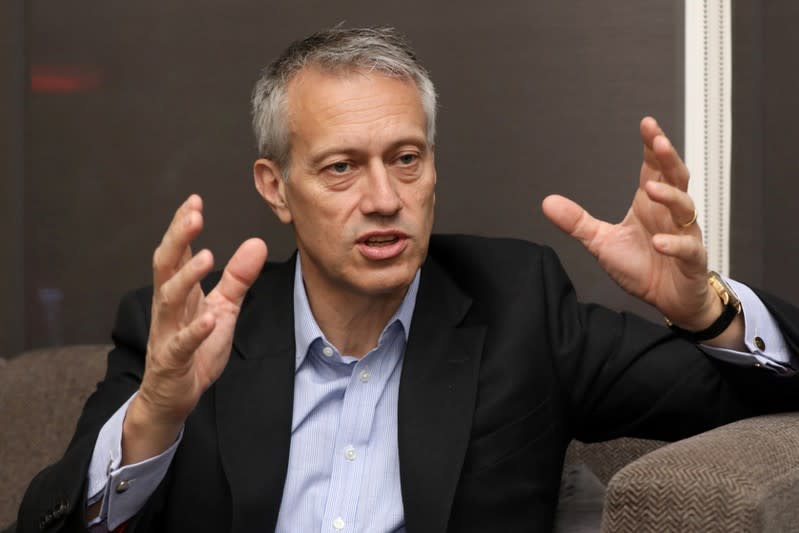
[[336, 49]]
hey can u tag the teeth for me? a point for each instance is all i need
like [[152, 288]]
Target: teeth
[[378, 240]]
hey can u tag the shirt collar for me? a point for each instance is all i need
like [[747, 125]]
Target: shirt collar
[[306, 329]]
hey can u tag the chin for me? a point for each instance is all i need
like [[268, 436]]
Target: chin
[[386, 281]]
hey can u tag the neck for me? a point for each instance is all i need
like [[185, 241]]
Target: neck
[[352, 324]]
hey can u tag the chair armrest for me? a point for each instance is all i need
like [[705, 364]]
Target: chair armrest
[[740, 477]]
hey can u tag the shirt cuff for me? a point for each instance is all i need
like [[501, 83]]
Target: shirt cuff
[[124, 490], [762, 336]]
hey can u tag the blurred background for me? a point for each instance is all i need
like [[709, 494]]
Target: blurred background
[[111, 113]]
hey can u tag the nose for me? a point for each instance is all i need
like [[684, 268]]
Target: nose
[[380, 194]]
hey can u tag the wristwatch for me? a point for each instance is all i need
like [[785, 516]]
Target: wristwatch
[[732, 308]]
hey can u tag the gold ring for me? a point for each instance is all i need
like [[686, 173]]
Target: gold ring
[[690, 222]]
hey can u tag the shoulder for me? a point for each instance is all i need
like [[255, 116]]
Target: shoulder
[[139, 300], [458, 241], [493, 264], [503, 255]]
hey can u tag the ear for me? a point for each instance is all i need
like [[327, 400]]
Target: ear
[[435, 172], [270, 184]]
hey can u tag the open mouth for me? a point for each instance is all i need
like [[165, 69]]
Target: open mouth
[[380, 246], [381, 240]]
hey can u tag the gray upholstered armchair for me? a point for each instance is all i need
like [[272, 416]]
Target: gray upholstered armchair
[[740, 477]]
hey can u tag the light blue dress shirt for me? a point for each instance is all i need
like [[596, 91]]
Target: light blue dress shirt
[[343, 472]]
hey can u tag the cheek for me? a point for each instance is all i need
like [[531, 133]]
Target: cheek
[[320, 209], [426, 197], [333, 221]]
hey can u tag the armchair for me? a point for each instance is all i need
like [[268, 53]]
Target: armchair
[[740, 477]]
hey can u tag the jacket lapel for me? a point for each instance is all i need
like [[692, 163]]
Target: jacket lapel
[[254, 398], [436, 400]]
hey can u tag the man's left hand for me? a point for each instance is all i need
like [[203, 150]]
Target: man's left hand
[[656, 253]]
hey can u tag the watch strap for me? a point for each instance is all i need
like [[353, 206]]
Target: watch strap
[[713, 330]]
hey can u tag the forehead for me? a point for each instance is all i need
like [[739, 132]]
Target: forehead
[[352, 103]]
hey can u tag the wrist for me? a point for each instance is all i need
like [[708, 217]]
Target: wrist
[[721, 310], [732, 338], [710, 312], [146, 433]]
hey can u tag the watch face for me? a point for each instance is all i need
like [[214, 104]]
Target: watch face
[[725, 292]]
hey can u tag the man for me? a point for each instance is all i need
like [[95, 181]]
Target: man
[[384, 380]]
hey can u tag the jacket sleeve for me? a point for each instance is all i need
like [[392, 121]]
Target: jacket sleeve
[[621, 375]]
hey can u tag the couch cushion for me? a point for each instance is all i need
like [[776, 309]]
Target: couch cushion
[[41, 396]]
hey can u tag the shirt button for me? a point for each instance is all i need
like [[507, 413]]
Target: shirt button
[[328, 351], [122, 486], [365, 376], [338, 524], [349, 453], [761, 345]]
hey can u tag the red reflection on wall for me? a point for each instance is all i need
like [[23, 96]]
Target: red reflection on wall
[[63, 79]]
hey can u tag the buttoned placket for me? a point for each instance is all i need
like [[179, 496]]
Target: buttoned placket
[[367, 382]]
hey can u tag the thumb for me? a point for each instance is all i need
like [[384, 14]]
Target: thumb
[[571, 218], [242, 270]]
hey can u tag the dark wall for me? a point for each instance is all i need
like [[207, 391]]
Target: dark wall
[[780, 137], [536, 97], [12, 97], [765, 188]]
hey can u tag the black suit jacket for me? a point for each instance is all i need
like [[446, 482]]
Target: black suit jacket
[[503, 367]]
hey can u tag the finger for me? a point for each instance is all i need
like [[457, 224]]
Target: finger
[[571, 218], [174, 251], [188, 339], [679, 203], [171, 297], [688, 249], [671, 164], [241, 271], [660, 156], [649, 129]]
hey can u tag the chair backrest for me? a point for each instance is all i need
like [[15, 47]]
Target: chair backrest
[[41, 396]]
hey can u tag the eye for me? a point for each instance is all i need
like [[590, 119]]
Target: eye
[[339, 167], [408, 159]]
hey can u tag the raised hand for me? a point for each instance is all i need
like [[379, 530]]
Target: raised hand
[[656, 253], [191, 333]]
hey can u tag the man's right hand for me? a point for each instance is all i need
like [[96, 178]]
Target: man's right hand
[[191, 333]]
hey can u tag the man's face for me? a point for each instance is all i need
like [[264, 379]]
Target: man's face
[[361, 190]]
